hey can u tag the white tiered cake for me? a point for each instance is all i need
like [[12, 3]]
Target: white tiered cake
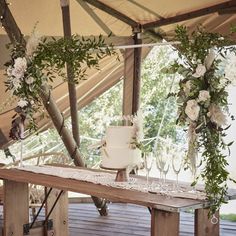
[[118, 151]]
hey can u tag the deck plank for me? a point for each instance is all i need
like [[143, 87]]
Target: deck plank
[[125, 220]]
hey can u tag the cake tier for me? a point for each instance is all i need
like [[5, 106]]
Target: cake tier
[[119, 136], [120, 157]]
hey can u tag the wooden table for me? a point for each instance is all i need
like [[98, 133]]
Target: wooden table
[[164, 211]]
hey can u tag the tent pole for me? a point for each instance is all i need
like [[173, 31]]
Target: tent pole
[[136, 74], [100, 203], [70, 76], [58, 121]]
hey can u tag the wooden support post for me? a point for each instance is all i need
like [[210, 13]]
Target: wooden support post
[[15, 207], [70, 75], [73, 99], [9, 24], [128, 81], [59, 214], [137, 74], [203, 225], [132, 78], [164, 223]]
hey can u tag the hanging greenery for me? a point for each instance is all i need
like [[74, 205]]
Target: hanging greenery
[[32, 66], [203, 106]]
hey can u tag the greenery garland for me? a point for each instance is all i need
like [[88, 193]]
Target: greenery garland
[[40, 61], [202, 105]]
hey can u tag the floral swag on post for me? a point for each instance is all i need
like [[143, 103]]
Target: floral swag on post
[[40, 61], [202, 105]]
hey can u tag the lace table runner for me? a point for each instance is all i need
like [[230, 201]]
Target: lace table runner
[[108, 179]]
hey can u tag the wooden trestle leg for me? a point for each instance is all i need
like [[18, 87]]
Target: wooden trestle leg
[[203, 225], [15, 207], [59, 214], [164, 223]]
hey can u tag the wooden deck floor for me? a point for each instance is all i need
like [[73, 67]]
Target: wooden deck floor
[[125, 220]]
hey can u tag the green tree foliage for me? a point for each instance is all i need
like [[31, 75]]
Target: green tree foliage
[[156, 87]]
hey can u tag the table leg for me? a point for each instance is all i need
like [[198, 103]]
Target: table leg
[[15, 207], [60, 213], [164, 223], [203, 225]]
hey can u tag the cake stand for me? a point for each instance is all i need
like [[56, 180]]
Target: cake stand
[[121, 175]]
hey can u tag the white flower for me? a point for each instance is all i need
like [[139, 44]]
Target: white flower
[[216, 115], [16, 83], [32, 43], [209, 59], [138, 125], [29, 80], [230, 70], [20, 67], [9, 71], [22, 103], [192, 109], [203, 96], [200, 71], [187, 87]]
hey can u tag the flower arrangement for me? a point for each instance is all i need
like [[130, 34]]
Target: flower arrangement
[[38, 62], [203, 107], [137, 137]]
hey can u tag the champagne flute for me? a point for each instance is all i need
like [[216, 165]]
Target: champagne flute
[[158, 155], [165, 171], [165, 165], [161, 163], [148, 161], [177, 161]]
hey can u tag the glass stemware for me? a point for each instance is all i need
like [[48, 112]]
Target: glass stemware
[[148, 161], [165, 171], [177, 162], [162, 163]]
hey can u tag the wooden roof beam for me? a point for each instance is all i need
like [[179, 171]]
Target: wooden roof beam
[[230, 10], [153, 35], [190, 15], [9, 24], [111, 11]]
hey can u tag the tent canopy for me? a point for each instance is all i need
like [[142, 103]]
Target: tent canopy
[[154, 19]]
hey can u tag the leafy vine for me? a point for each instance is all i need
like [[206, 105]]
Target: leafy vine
[[39, 62], [203, 106]]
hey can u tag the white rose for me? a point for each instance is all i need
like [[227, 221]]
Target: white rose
[[29, 80], [200, 71], [187, 87], [22, 103], [20, 67], [192, 109], [203, 96], [230, 70], [16, 83], [209, 59], [216, 115]]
